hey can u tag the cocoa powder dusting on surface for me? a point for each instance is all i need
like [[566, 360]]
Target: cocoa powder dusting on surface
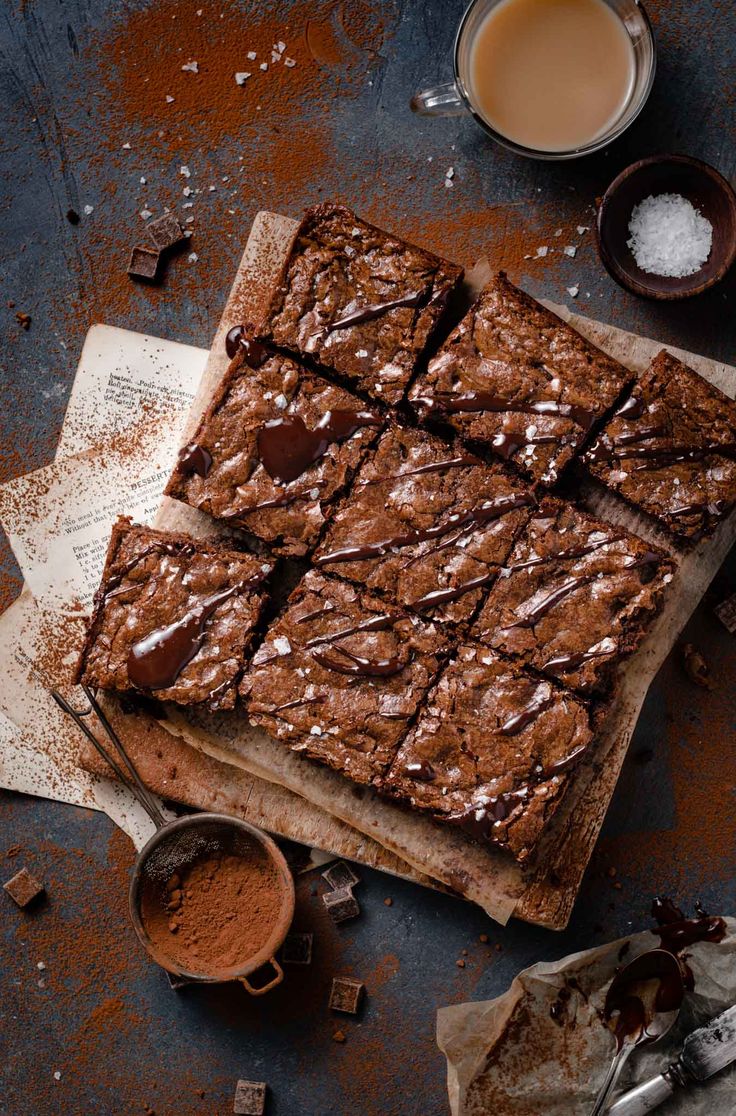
[[215, 915]]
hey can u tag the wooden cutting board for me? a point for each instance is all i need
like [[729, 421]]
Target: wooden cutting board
[[546, 894]]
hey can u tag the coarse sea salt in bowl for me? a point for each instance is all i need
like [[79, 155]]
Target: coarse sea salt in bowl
[[683, 236]]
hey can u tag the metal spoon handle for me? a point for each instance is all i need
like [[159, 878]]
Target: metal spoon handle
[[609, 1084]]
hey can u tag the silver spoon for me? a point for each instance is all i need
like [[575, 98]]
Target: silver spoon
[[642, 1003]]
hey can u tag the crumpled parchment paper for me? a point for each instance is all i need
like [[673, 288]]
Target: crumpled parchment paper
[[511, 1057]]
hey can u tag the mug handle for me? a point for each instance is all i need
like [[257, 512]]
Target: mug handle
[[266, 987], [441, 100]]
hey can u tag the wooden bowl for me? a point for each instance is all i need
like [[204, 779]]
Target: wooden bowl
[[703, 186]]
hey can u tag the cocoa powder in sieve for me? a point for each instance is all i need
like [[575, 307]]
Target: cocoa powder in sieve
[[215, 914]]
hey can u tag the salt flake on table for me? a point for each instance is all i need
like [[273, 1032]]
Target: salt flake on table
[[192, 67], [541, 252], [570, 250], [88, 209], [251, 56], [185, 171], [145, 214], [192, 257], [289, 62], [241, 77], [573, 291], [169, 100], [264, 66], [582, 229]]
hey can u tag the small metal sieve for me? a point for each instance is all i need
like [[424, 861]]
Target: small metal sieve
[[176, 845]]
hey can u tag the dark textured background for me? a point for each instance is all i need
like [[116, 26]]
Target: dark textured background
[[76, 80]]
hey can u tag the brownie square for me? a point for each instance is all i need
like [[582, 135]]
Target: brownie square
[[340, 674], [360, 302], [517, 380], [578, 595], [274, 448], [425, 524], [670, 450], [173, 616], [491, 750]]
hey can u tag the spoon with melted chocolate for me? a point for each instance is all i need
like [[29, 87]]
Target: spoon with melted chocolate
[[642, 1004]]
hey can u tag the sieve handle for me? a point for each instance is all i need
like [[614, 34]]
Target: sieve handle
[[266, 987]]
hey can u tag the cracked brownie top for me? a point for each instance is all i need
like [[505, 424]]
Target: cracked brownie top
[[360, 302], [576, 597], [174, 616], [340, 674], [491, 750], [274, 448], [427, 524], [515, 378], [670, 450]]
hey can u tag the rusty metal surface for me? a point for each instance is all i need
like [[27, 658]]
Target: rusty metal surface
[[80, 80]]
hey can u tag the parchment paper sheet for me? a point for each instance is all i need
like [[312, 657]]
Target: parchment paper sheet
[[508, 1057], [485, 875]]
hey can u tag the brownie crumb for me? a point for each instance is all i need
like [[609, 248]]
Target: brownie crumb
[[339, 1036], [460, 963], [388, 902], [23, 320], [24, 888], [341, 905], [72, 217], [346, 994], [696, 668], [483, 938], [250, 1098]]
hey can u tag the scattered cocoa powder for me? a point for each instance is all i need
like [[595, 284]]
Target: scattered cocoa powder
[[216, 914]]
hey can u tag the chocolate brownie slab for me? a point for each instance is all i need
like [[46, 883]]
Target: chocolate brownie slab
[[517, 380], [670, 450], [274, 448], [491, 750], [425, 524], [359, 301], [340, 674], [173, 616], [578, 595]]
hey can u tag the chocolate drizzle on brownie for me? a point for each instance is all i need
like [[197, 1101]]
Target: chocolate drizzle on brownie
[[543, 699], [156, 661], [474, 517], [472, 401], [548, 603], [287, 447], [194, 458], [376, 310], [459, 462], [358, 665], [237, 340]]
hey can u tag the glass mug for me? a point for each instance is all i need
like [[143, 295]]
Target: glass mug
[[455, 98]]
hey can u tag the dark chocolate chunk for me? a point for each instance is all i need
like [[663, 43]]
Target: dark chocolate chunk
[[340, 875], [165, 231], [341, 904], [297, 949], [24, 888], [250, 1098], [346, 994], [144, 262]]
